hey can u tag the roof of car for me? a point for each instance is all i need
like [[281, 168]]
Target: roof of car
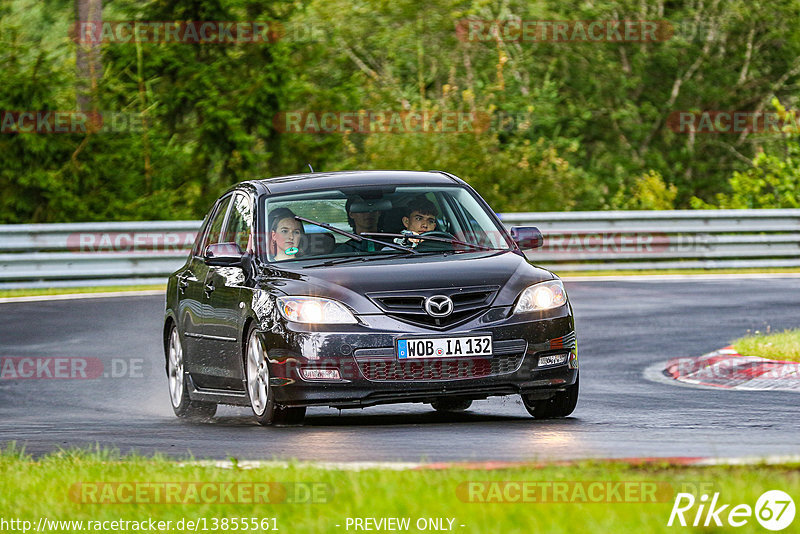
[[325, 180]]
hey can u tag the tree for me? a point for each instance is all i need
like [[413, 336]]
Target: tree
[[88, 60]]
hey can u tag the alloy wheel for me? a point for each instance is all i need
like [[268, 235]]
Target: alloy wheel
[[257, 375], [175, 369]]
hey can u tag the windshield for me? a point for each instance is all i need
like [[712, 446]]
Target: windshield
[[362, 223]]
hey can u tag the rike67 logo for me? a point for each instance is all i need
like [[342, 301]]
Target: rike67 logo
[[774, 510]]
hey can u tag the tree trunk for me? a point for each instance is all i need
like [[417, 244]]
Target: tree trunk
[[88, 60]]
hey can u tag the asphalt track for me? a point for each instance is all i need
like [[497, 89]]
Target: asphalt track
[[623, 327]]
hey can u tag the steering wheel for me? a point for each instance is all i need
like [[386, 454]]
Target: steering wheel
[[426, 245]]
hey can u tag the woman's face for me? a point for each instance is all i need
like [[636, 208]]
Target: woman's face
[[287, 234]]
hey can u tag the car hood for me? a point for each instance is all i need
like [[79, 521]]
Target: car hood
[[350, 282]]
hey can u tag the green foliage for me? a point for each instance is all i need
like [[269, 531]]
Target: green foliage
[[772, 182], [197, 116], [572, 125], [510, 176], [648, 192]]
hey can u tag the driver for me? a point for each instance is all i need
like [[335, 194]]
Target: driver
[[420, 217]]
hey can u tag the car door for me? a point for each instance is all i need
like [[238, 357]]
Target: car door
[[190, 302], [223, 317], [189, 282], [192, 298]]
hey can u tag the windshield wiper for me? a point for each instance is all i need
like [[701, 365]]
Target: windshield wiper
[[357, 237], [361, 257], [439, 239]]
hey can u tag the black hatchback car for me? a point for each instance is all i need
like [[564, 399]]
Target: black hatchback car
[[352, 289]]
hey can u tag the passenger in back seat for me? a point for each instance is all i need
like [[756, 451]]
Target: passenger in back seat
[[362, 222], [317, 244]]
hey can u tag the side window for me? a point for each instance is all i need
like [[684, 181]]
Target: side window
[[200, 237], [443, 223], [467, 228], [215, 229], [240, 223]]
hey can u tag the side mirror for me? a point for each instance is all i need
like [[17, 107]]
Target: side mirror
[[223, 255], [527, 236]]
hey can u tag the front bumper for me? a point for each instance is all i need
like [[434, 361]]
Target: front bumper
[[370, 373]]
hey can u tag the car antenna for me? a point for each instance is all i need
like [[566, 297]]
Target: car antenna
[[310, 167]]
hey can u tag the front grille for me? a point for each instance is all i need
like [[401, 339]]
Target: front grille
[[468, 302], [393, 370]]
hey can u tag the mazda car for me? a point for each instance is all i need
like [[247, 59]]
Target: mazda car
[[353, 289]]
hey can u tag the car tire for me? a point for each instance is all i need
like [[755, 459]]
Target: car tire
[[451, 404], [560, 405], [259, 392], [182, 405]]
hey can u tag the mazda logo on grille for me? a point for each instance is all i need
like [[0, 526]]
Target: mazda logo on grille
[[439, 306]]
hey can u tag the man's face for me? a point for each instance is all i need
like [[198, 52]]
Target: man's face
[[366, 221], [419, 223]]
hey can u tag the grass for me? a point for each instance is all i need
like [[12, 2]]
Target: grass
[[628, 272], [32, 292], [776, 346], [60, 486]]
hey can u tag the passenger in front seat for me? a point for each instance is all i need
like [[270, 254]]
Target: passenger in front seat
[[285, 233]]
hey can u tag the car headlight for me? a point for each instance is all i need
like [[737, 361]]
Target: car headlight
[[314, 310], [541, 296]]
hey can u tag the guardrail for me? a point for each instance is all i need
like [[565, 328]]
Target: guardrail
[[678, 239], [105, 253], [112, 253]]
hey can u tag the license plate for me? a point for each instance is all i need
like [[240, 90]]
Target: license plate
[[444, 347]]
